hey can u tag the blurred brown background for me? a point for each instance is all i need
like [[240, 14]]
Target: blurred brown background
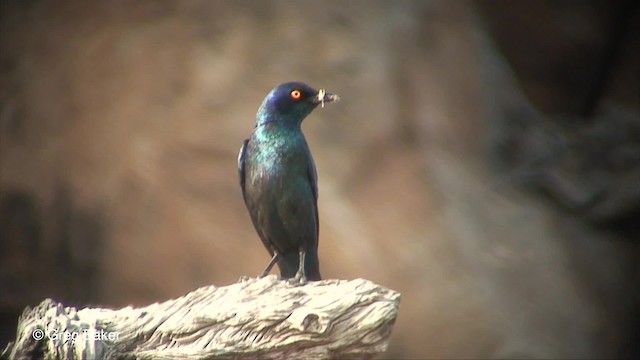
[[484, 159]]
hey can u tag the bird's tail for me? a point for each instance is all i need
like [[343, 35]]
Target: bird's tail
[[288, 264]]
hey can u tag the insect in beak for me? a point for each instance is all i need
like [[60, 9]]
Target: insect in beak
[[324, 96]]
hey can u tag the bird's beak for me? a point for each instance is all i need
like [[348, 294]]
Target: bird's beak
[[325, 97]]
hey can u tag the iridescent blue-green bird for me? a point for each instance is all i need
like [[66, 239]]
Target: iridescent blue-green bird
[[279, 182]]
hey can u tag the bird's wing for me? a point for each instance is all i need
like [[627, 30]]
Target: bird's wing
[[313, 182], [241, 163]]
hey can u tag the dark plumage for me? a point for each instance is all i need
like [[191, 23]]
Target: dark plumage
[[279, 182]]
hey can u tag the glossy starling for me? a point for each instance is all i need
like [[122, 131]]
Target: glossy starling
[[279, 182]]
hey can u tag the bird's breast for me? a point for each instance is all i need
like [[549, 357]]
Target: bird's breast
[[275, 165]]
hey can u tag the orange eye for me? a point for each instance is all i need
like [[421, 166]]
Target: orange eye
[[296, 95]]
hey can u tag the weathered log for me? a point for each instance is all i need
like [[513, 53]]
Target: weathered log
[[265, 318]]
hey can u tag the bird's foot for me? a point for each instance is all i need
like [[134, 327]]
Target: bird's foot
[[300, 278]]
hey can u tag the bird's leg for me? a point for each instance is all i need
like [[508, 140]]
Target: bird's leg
[[267, 270], [300, 275]]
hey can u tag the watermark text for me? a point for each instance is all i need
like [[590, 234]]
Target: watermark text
[[73, 336]]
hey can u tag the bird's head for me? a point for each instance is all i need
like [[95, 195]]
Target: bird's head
[[291, 102]]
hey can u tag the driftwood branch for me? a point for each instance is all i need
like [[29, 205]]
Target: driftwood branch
[[263, 318]]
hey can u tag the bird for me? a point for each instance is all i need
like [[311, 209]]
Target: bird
[[279, 181]]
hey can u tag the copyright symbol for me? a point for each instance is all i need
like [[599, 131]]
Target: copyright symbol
[[38, 334]]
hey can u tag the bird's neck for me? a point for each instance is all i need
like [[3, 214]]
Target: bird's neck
[[275, 121], [275, 129]]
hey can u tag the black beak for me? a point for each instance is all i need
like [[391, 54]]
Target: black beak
[[325, 97]]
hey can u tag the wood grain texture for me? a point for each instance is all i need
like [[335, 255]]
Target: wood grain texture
[[263, 318]]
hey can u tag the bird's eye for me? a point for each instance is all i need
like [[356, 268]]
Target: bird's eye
[[296, 95]]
